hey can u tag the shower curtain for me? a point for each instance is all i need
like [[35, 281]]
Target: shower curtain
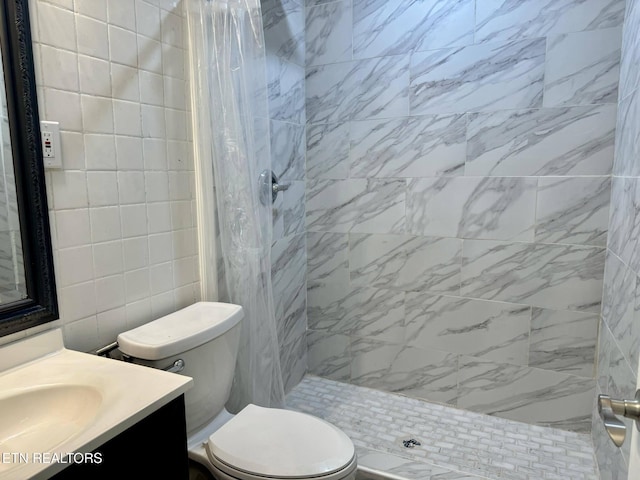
[[231, 136]]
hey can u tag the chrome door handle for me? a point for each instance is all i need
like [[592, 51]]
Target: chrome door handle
[[609, 409]]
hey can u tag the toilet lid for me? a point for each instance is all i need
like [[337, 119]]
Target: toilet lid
[[272, 442]]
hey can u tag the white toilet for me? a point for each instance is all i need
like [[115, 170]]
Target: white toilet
[[255, 444]]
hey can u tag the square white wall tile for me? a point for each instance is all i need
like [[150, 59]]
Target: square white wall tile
[[149, 54], [159, 217], [129, 153], [97, 114], [125, 82], [93, 37], [110, 324], [75, 265], [70, 189], [121, 43], [161, 278], [73, 228], [109, 293], [126, 117], [107, 258], [172, 29], [137, 285], [77, 301], [147, 19], [95, 76], [136, 252], [122, 14], [100, 151], [56, 26], [59, 68], [160, 248], [82, 334], [73, 147], [162, 304], [155, 154], [105, 224], [134, 220], [64, 107], [131, 187], [151, 88], [92, 8], [102, 188]]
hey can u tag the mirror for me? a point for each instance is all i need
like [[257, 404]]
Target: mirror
[[12, 286], [27, 285]]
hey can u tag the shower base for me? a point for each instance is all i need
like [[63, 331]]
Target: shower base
[[453, 444]]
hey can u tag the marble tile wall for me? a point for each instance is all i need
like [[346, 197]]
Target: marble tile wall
[[619, 342], [284, 26], [458, 166]]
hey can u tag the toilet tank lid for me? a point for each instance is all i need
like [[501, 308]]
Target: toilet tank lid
[[180, 331]]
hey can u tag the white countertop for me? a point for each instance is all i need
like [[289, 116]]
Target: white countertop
[[128, 393]]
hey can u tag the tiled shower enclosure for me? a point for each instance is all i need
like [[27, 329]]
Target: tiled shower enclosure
[[459, 156]]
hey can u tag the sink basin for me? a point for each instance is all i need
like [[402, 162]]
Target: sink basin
[[55, 402], [41, 418]]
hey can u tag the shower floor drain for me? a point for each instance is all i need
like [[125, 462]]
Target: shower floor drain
[[411, 443]]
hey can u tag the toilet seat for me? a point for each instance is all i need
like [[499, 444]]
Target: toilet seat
[[224, 472], [269, 443]]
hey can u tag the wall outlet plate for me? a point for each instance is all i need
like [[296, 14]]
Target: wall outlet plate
[[51, 148]]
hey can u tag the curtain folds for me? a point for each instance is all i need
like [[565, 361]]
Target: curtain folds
[[231, 134]]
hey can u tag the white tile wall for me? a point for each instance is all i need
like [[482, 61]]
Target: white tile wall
[[123, 230]]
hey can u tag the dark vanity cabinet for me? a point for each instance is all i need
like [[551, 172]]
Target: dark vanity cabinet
[[153, 448]]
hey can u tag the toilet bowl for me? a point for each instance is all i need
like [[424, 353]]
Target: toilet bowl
[[257, 443], [268, 443]]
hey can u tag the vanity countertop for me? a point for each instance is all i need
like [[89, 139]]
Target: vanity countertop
[[58, 401]]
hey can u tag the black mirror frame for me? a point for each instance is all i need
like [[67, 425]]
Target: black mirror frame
[[41, 304]]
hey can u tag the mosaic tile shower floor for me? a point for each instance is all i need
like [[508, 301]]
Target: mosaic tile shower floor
[[454, 444]]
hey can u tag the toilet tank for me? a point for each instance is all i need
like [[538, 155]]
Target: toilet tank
[[205, 336]]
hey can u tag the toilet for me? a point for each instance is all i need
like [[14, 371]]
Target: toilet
[[201, 341]]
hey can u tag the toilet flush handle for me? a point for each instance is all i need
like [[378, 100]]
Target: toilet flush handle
[[175, 367]]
